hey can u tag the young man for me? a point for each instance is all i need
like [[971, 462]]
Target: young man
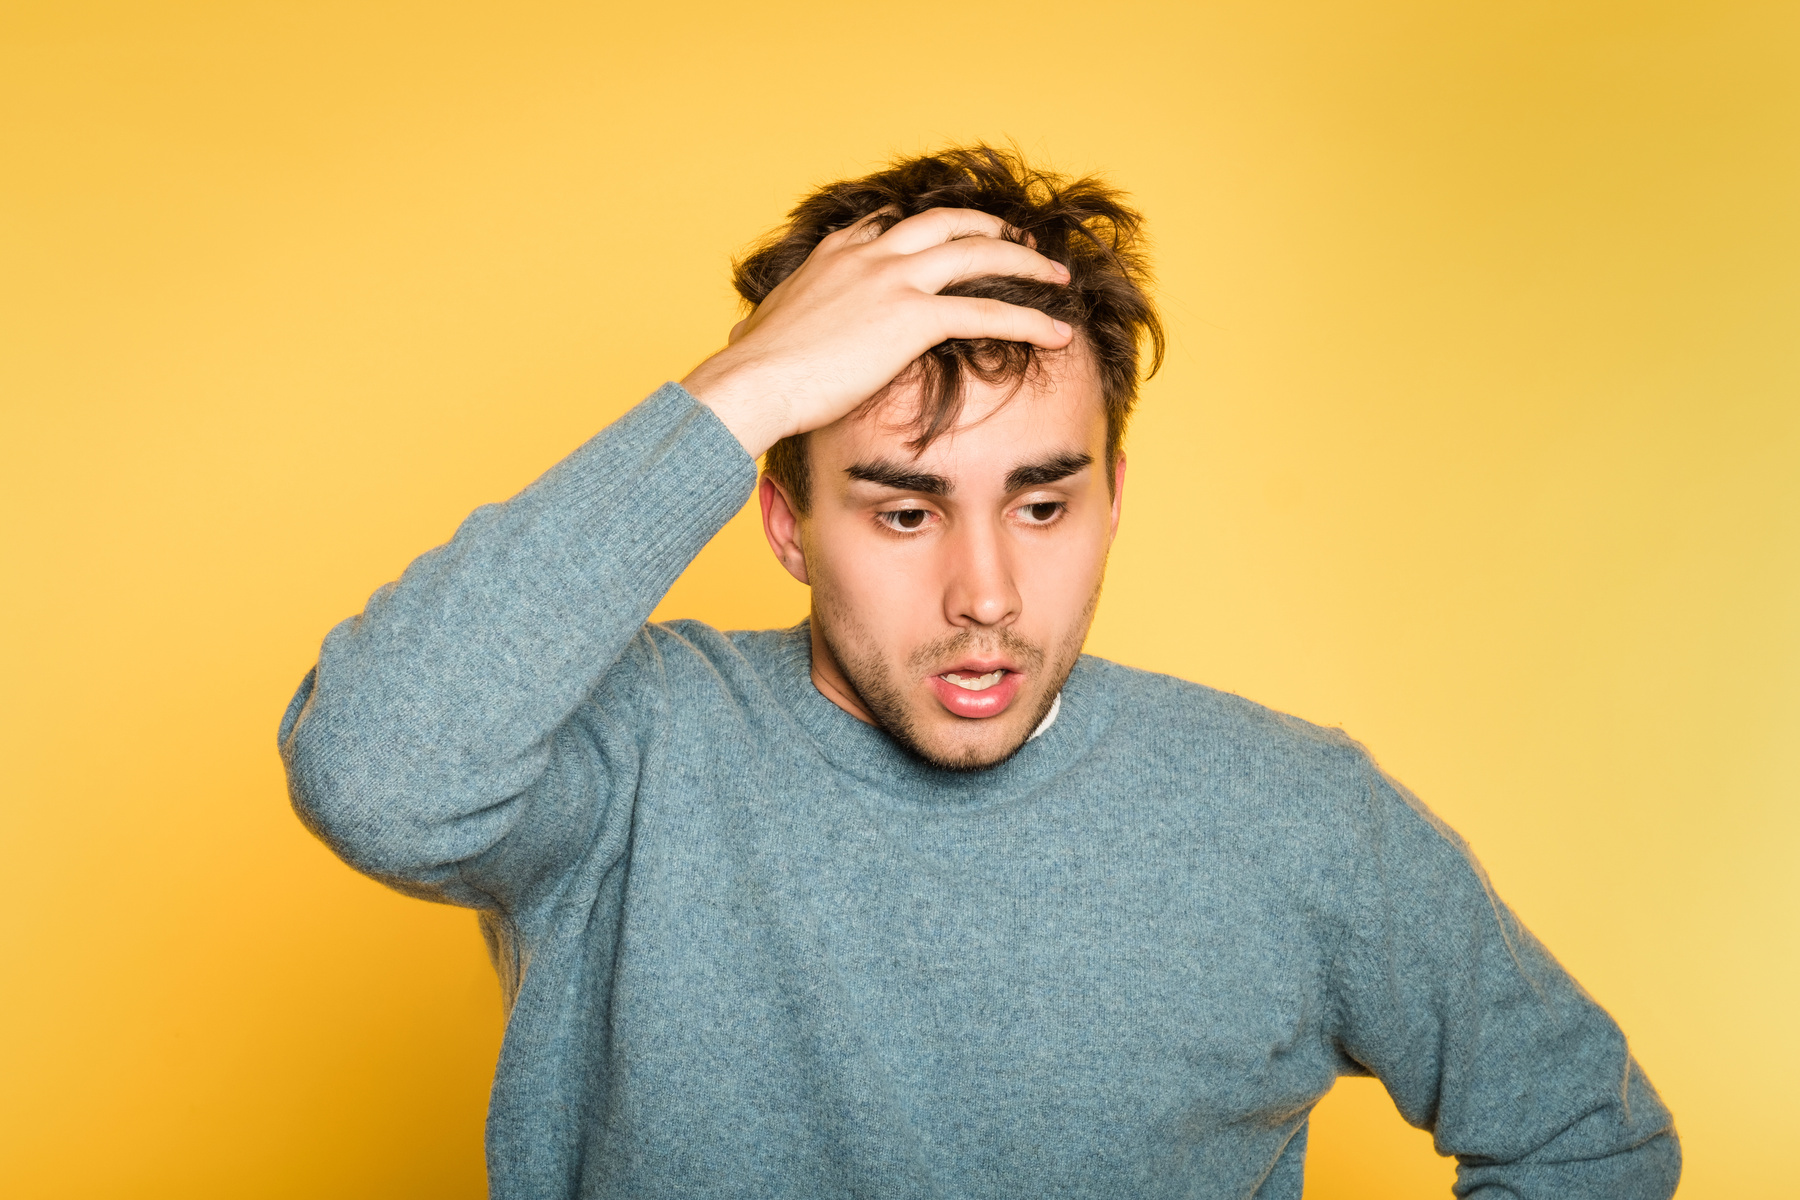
[[914, 900]]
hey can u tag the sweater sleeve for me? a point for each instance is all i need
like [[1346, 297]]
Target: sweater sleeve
[[1479, 1034], [437, 744]]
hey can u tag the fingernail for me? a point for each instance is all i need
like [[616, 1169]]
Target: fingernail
[[1062, 327], [1062, 270]]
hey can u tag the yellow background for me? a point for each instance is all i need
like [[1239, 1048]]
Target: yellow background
[[1478, 436]]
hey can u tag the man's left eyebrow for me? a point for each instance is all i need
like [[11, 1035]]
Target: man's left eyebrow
[[1049, 470]]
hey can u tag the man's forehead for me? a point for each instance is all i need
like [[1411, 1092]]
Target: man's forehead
[[999, 425]]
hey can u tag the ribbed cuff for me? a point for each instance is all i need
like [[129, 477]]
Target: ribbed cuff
[[655, 486]]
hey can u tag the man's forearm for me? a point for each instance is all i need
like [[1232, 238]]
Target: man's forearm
[[432, 708], [1481, 1036]]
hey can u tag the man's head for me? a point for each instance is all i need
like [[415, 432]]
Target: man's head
[[957, 524]]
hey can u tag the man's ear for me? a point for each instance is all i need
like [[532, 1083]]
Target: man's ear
[[782, 527], [1118, 496]]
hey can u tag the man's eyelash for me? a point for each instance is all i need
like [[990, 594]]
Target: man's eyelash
[[891, 518]]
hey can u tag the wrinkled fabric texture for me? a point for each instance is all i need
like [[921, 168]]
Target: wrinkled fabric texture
[[750, 948]]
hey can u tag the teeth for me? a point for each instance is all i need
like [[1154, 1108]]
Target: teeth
[[974, 683]]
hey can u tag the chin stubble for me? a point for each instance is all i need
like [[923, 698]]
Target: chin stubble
[[885, 697]]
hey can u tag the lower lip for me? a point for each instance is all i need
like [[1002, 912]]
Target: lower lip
[[990, 702]]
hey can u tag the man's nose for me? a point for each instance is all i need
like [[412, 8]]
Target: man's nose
[[980, 589]]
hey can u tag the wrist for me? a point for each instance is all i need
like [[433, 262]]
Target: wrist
[[754, 412]]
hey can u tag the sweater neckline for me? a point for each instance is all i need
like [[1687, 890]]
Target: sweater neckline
[[869, 754]]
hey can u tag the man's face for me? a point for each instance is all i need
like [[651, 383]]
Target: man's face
[[952, 590]]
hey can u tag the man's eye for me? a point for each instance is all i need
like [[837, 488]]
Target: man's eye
[[1043, 512], [908, 519]]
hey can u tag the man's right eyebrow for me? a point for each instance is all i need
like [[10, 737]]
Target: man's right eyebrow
[[888, 474]]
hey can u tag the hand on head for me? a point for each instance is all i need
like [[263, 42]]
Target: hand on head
[[863, 306]]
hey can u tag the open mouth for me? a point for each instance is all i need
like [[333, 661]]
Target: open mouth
[[970, 691]]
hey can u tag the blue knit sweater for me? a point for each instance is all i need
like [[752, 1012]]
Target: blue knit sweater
[[750, 948]]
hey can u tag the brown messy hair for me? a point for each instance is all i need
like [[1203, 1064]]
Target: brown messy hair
[[1082, 223]]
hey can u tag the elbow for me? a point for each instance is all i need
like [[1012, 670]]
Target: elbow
[[351, 798], [358, 814], [1665, 1158]]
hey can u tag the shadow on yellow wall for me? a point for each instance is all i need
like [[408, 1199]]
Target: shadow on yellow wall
[[1478, 436]]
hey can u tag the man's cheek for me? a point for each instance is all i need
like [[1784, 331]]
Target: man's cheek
[[905, 592], [893, 612], [1055, 588]]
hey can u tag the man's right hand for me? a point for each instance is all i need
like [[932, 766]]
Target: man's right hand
[[860, 309]]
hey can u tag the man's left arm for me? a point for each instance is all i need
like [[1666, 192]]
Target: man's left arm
[[1480, 1035]]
